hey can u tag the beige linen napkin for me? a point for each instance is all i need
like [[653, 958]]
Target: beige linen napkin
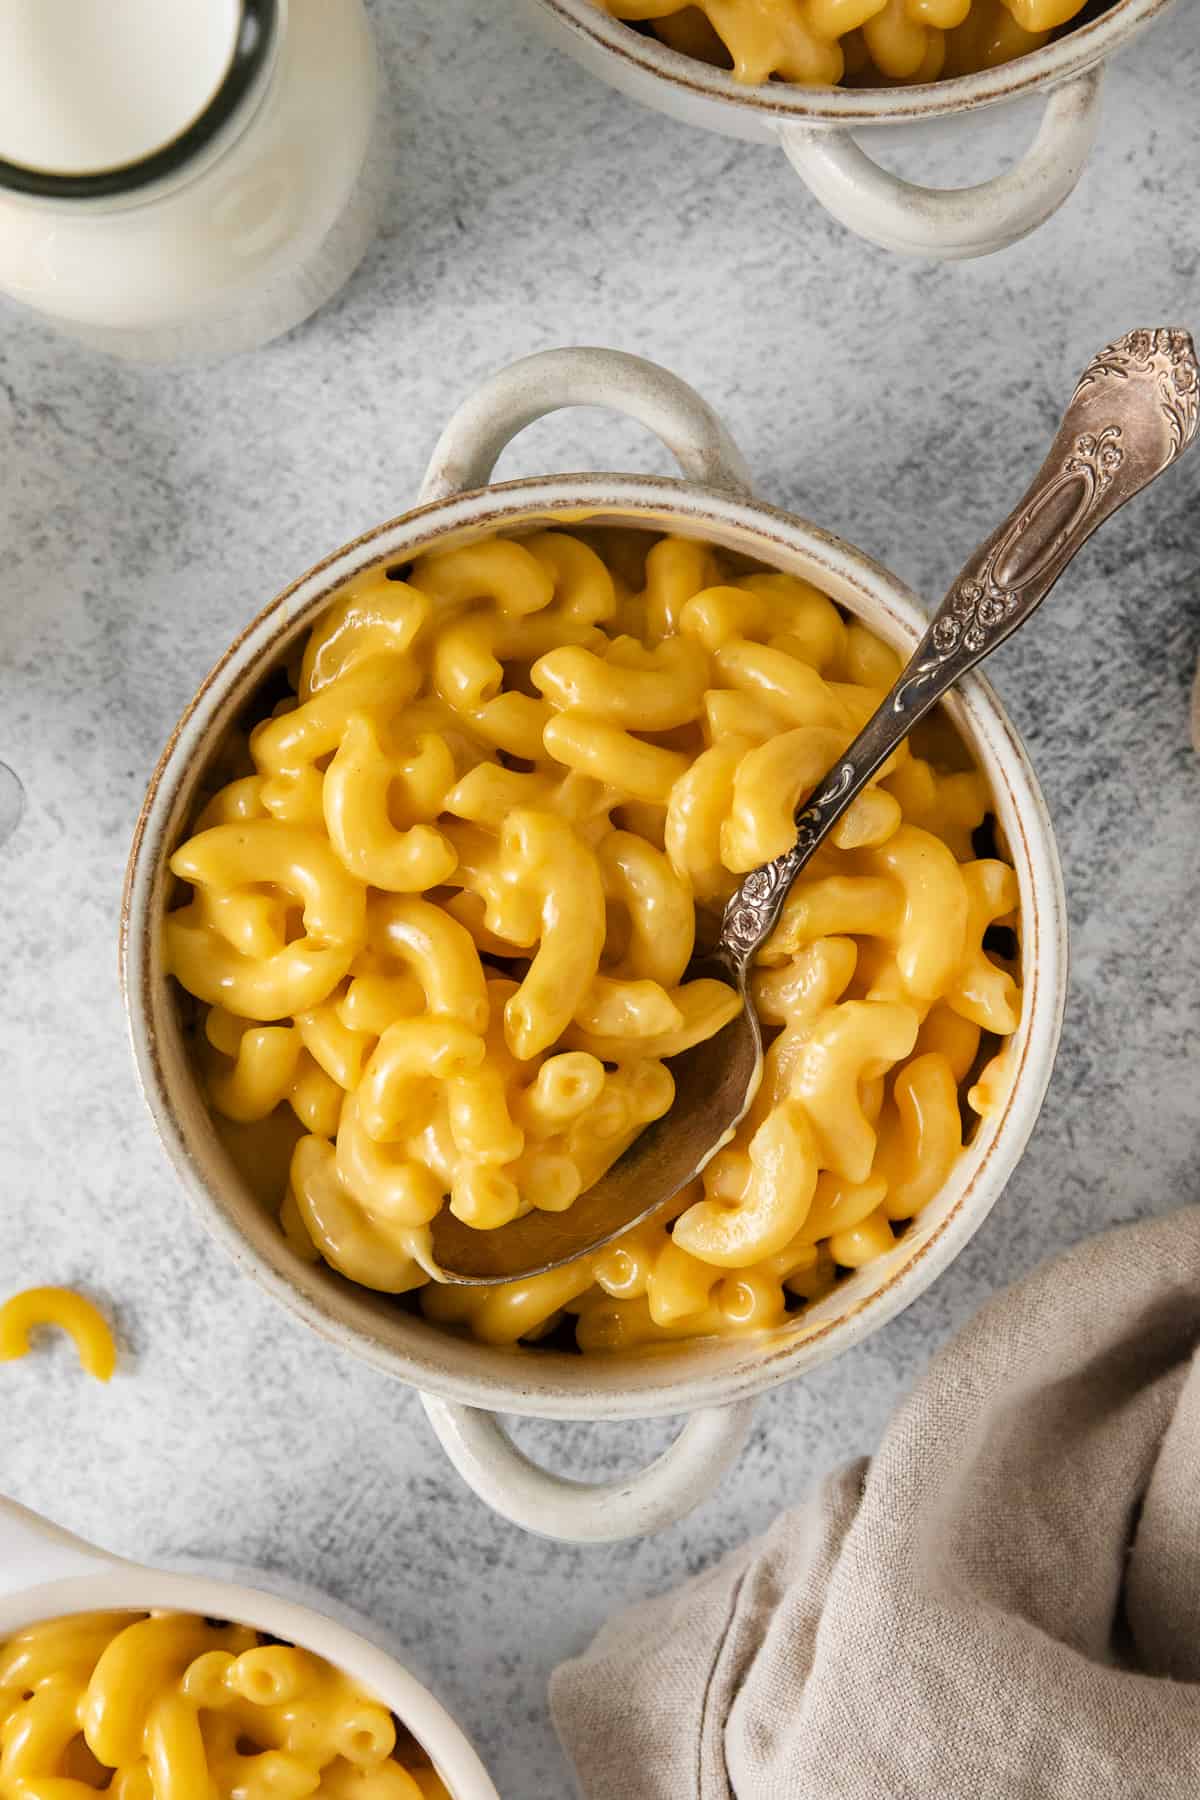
[[1004, 1602]]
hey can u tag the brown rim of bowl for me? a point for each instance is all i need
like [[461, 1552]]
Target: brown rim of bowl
[[783, 102], [313, 1292]]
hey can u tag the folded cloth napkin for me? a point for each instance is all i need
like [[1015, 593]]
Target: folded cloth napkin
[[1004, 1602]]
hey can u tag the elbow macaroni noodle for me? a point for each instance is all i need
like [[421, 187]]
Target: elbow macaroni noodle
[[819, 43], [166, 1706], [70, 1312], [440, 918]]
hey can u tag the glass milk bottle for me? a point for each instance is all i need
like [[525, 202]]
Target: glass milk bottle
[[182, 177]]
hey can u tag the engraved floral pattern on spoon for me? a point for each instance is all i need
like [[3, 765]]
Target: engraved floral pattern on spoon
[[1167, 356]]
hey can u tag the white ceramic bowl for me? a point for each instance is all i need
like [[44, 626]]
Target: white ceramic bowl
[[46, 1574], [820, 128], [466, 1384]]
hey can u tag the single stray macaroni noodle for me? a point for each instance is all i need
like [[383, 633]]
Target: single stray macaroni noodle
[[819, 43], [439, 916], [67, 1310], [167, 1706]]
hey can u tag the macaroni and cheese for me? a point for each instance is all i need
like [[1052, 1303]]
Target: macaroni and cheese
[[166, 1706], [68, 1311], [819, 43], [438, 923]]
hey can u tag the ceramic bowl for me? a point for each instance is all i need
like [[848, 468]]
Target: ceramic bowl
[[466, 1384], [46, 1574], [823, 131]]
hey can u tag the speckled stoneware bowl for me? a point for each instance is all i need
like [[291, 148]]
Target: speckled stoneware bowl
[[820, 128], [46, 1574], [465, 1384]]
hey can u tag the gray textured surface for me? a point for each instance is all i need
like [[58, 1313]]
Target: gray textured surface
[[144, 515]]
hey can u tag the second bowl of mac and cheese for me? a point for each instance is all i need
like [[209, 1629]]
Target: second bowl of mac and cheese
[[826, 79], [143, 1682], [414, 892]]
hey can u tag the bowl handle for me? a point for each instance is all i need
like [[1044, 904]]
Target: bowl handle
[[601, 1512], [948, 223], [33, 1551], [544, 383]]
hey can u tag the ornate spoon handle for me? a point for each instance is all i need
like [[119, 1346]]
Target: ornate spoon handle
[[1135, 410]]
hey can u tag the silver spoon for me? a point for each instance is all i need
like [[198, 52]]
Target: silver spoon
[[1134, 412]]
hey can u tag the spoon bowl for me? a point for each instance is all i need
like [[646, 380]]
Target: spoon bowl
[[715, 1084]]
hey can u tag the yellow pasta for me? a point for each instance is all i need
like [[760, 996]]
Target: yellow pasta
[[819, 43], [69, 1312], [166, 1706], [483, 1016]]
